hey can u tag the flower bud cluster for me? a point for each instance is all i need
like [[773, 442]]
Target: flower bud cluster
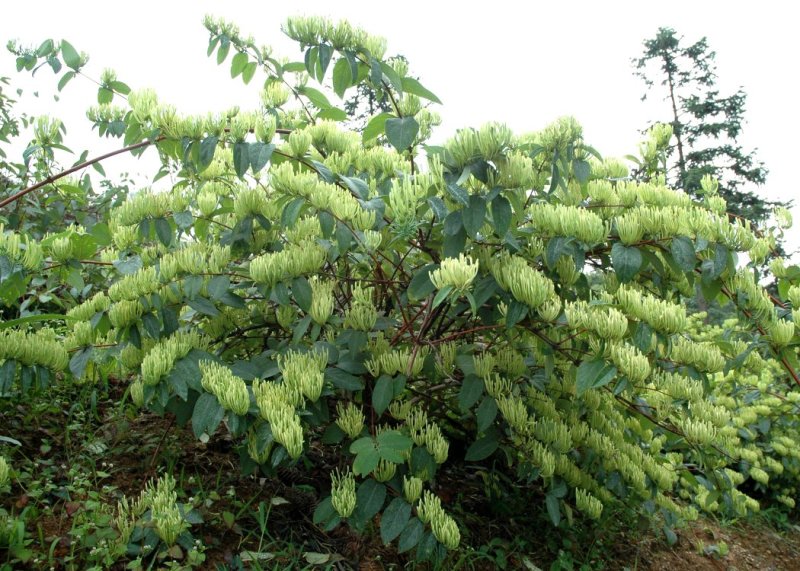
[[162, 357], [343, 493], [321, 299], [144, 204], [561, 220], [33, 348], [86, 310], [362, 313], [630, 361], [412, 489], [230, 390], [429, 510], [291, 262], [458, 273], [661, 315], [277, 403], [781, 332], [588, 504], [313, 30], [704, 356], [350, 419], [404, 199], [303, 372], [165, 514], [403, 361], [526, 284], [21, 249], [607, 322]]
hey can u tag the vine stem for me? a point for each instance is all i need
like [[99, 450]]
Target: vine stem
[[52, 178]]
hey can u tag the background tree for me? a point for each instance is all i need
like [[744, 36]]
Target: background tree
[[706, 125]]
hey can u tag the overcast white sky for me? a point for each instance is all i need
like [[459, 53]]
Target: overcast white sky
[[524, 63]]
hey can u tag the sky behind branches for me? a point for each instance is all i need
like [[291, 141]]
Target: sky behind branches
[[522, 63]]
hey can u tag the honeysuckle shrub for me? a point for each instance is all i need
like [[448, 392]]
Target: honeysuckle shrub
[[515, 297]]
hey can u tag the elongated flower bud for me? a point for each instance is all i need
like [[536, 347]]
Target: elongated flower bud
[[343, 493]]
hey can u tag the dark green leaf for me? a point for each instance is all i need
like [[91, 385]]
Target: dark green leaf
[[482, 448], [486, 413], [325, 55], [207, 415], [501, 215], [393, 77], [291, 212], [218, 286], [342, 77], [78, 362], [241, 158], [401, 132], [411, 535], [382, 394], [65, 79], [316, 97], [553, 508], [394, 440], [260, 153], [627, 261], [411, 85], [471, 391], [454, 245], [394, 519], [594, 374], [458, 193], [163, 231], [301, 290], [343, 380], [208, 147], [365, 462], [474, 215], [582, 169], [324, 512], [370, 497], [683, 252], [420, 285], [204, 306]]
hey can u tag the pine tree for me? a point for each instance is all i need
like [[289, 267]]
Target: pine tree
[[706, 125]]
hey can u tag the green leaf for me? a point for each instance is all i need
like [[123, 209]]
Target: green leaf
[[163, 231], [594, 374], [249, 71], [237, 64], [401, 132], [682, 249], [78, 362], [104, 95], [65, 79], [474, 215], [394, 440], [343, 380], [375, 126], [72, 58], [553, 508], [342, 77], [204, 306], [218, 287], [393, 77], [260, 154], [411, 535], [420, 285], [291, 212], [365, 462], [394, 519], [471, 391], [486, 413], [501, 215], [369, 500], [34, 318], [208, 147], [442, 295], [316, 97], [482, 448], [207, 415], [627, 261], [324, 512], [301, 290], [382, 394], [411, 85], [581, 169], [325, 55], [241, 158]]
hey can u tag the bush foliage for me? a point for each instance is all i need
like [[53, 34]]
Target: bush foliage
[[317, 292]]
